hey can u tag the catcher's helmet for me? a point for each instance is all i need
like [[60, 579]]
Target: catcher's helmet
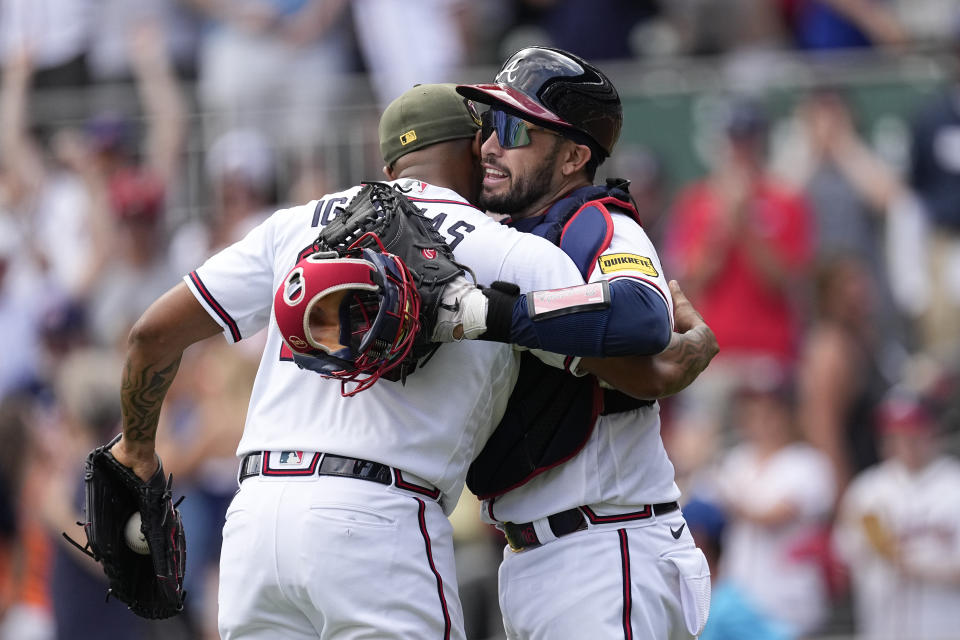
[[558, 90], [352, 318]]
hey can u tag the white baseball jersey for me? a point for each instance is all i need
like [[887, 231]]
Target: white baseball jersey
[[647, 578], [623, 464], [432, 426], [921, 512]]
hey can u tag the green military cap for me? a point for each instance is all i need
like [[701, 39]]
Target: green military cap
[[425, 115]]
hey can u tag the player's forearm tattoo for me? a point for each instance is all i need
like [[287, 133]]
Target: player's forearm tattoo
[[141, 396], [691, 352]]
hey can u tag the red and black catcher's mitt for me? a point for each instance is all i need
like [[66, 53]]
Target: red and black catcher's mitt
[[365, 303]]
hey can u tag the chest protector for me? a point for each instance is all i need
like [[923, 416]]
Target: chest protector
[[551, 413]]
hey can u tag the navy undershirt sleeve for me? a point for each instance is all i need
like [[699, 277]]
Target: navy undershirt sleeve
[[636, 323]]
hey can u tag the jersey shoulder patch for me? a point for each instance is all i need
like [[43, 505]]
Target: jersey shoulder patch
[[613, 262]]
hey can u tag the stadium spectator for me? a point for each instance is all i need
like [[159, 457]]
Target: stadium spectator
[[840, 377], [20, 309], [108, 59], [128, 194], [24, 583], [240, 169], [740, 242], [43, 196], [898, 530], [55, 33], [274, 65], [396, 61], [935, 177], [852, 192], [846, 24], [608, 30], [778, 493], [732, 615]]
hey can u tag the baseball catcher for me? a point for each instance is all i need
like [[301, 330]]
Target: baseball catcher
[[378, 294], [148, 580]]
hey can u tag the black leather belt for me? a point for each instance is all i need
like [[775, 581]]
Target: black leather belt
[[616, 402], [524, 536], [332, 465]]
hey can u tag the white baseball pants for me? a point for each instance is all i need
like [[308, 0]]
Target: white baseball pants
[[336, 559], [632, 581]]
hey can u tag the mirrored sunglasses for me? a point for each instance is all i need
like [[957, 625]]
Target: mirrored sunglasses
[[512, 132]]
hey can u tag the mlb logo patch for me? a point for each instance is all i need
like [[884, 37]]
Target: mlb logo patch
[[293, 458], [291, 463]]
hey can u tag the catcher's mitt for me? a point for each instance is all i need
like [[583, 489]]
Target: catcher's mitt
[[381, 217], [151, 584], [379, 277]]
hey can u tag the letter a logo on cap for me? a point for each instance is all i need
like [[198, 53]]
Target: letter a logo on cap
[[507, 72]]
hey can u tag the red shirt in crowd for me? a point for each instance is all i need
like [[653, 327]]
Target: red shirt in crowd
[[748, 314]]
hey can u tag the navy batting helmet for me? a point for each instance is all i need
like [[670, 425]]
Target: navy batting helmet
[[558, 90]]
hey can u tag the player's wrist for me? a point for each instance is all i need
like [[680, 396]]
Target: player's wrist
[[501, 299], [142, 458]]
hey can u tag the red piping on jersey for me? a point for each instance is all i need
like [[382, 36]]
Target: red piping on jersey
[[633, 213], [607, 238], [426, 542], [409, 486], [220, 311], [627, 596]]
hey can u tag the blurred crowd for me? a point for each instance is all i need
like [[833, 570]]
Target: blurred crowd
[[816, 453]]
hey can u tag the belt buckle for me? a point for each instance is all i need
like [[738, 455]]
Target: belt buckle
[[513, 546], [526, 533]]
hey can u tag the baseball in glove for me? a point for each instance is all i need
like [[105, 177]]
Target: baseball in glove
[[378, 295], [148, 581]]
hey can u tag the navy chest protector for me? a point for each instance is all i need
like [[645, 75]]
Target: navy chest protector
[[551, 413]]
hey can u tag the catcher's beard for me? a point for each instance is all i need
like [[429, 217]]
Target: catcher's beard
[[325, 320], [524, 190]]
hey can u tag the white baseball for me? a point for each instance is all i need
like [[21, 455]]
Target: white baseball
[[134, 536]]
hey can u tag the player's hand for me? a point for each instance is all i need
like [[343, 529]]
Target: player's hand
[[462, 312], [143, 460], [687, 318]]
